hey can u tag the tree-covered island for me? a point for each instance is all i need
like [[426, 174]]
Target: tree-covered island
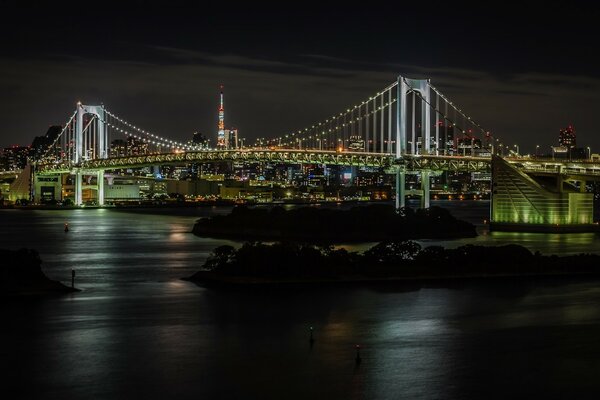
[[312, 224], [256, 262]]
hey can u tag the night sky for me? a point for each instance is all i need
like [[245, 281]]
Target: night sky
[[521, 73]]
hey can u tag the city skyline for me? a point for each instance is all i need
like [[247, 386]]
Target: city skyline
[[522, 84]]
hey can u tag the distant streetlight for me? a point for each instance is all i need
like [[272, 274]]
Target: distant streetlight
[[537, 146], [517, 147], [589, 151]]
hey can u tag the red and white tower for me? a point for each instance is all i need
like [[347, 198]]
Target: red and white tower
[[221, 142]]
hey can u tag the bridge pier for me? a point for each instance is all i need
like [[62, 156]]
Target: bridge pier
[[101, 187], [78, 188], [425, 187], [400, 188]]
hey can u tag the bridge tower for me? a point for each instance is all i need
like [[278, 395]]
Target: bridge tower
[[101, 141], [407, 86]]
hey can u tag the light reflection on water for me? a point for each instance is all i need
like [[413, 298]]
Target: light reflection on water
[[115, 247], [137, 331]]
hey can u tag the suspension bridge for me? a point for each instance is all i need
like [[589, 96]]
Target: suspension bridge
[[408, 127]]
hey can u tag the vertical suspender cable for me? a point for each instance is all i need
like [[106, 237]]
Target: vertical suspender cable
[[446, 121], [367, 126], [381, 125], [437, 125], [373, 129], [390, 149], [360, 120], [413, 144]]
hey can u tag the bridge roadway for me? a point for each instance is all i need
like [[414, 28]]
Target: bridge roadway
[[284, 156], [9, 174], [580, 168]]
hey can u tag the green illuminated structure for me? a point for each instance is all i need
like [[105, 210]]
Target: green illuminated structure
[[525, 202]]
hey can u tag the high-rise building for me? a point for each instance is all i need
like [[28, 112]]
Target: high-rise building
[[15, 157], [136, 147], [468, 145], [356, 143], [118, 148], [41, 144], [221, 139], [566, 137], [231, 136], [199, 141], [447, 144]]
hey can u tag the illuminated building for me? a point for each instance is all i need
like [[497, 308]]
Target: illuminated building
[[528, 203], [118, 148], [356, 143], [221, 139], [41, 144], [468, 145], [136, 147], [231, 138], [15, 157], [199, 141], [567, 138], [447, 145]]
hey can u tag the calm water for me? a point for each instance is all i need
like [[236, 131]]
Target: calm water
[[137, 331]]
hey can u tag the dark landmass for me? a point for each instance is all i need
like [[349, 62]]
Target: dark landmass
[[21, 274], [359, 224], [293, 263]]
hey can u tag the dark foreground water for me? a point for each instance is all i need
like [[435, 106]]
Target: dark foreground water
[[137, 331]]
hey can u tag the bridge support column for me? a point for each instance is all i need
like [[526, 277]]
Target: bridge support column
[[400, 188], [101, 187], [78, 188], [32, 183], [425, 187]]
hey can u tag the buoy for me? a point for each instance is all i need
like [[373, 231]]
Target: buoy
[[358, 359], [66, 227]]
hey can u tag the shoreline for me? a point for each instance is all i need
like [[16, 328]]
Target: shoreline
[[48, 287], [276, 235], [208, 278], [22, 276]]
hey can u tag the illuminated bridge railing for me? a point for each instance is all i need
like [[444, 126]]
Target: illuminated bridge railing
[[447, 163], [283, 156], [251, 155], [328, 157], [583, 168]]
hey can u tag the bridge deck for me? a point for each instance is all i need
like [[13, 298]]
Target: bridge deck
[[329, 157]]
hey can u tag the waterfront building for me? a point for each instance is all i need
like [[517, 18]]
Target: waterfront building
[[528, 202]]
